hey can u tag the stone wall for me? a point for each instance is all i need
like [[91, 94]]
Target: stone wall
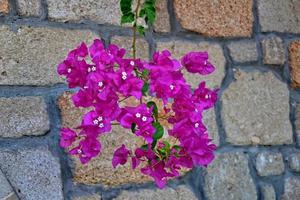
[[255, 46]]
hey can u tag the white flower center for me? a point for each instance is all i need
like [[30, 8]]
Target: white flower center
[[93, 68], [196, 110], [132, 63], [172, 87], [101, 125], [85, 87], [196, 125], [69, 70], [89, 69], [100, 84], [207, 96], [124, 74], [79, 151], [124, 77], [100, 118], [205, 62], [138, 115], [95, 121], [144, 118]]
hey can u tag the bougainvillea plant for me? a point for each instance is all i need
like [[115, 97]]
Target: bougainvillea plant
[[167, 115]]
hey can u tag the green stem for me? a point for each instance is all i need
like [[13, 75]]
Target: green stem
[[134, 29]]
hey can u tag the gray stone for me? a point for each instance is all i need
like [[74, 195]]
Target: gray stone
[[103, 12], [297, 123], [162, 23], [126, 42], [243, 51], [279, 15], [269, 164], [209, 119], [256, 110], [6, 191], [29, 7], [30, 56], [33, 173], [294, 162], [291, 189], [228, 177], [268, 192], [273, 51], [180, 48], [86, 197], [180, 193], [23, 116]]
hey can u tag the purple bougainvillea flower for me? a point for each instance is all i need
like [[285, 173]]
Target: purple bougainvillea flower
[[156, 169], [93, 124], [67, 137], [197, 62], [126, 83], [87, 149], [200, 149], [165, 85], [163, 61], [204, 97], [120, 156], [142, 117]]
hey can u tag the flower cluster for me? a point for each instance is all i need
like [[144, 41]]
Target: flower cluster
[[106, 79]]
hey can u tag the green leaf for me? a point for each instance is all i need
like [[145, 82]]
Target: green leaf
[[133, 126], [142, 13], [155, 109], [145, 72], [127, 18], [177, 147], [145, 88], [141, 30], [150, 14], [126, 6], [159, 131], [148, 11], [144, 147], [167, 145]]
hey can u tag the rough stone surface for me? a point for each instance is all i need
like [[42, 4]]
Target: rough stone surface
[[23, 116], [30, 55], [180, 193], [4, 7], [256, 110], [126, 42], [225, 18], [228, 177], [269, 164], [279, 15], [294, 162], [273, 51], [209, 119], [29, 7], [294, 62], [243, 51], [103, 12], [99, 170], [33, 173], [268, 192], [162, 23], [86, 197], [6, 191], [291, 189], [297, 123], [180, 48]]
